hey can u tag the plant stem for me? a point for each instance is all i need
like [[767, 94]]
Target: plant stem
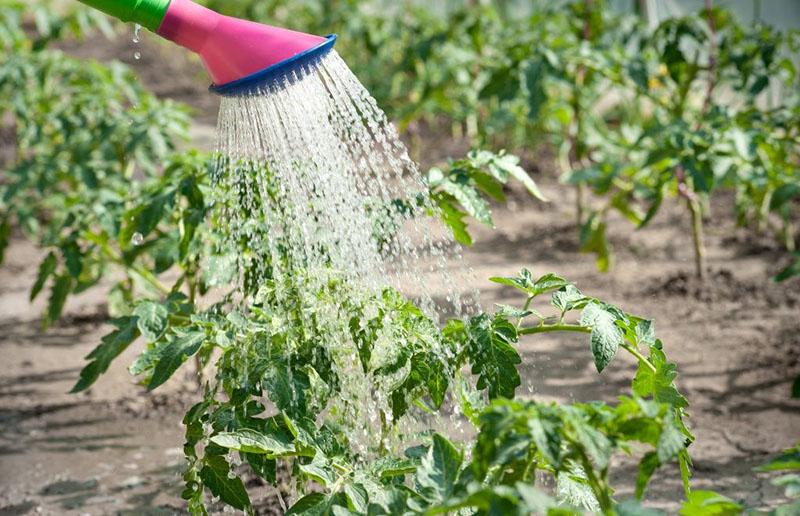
[[141, 273], [788, 236], [547, 328], [697, 237], [635, 352]]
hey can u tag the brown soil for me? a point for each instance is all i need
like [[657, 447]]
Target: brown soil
[[736, 339]]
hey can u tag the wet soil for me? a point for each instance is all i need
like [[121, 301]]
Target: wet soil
[[735, 338]]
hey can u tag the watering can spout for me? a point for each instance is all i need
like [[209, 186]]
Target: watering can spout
[[236, 53]]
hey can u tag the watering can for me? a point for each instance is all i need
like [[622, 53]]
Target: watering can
[[239, 55]]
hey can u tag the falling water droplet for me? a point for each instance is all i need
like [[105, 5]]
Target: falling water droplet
[[137, 33], [137, 239], [137, 55]]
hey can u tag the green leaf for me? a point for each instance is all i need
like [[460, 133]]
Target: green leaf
[[788, 460], [317, 504], [568, 298], [647, 466], [509, 164], [545, 430], [709, 503], [470, 200], [73, 259], [593, 239], [46, 269], [793, 269], [152, 319], [454, 219], [214, 475], [606, 336], [321, 470], [527, 284], [173, 355], [573, 488], [671, 441], [660, 385], [439, 470], [112, 345], [272, 444], [492, 355], [357, 497], [58, 297], [263, 466], [387, 467]]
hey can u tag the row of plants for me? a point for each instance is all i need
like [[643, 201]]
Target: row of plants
[[95, 182], [698, 105]]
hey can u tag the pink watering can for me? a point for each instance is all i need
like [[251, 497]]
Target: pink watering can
[[239, 55]]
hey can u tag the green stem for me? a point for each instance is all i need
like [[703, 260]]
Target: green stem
[[524, 309], [143, 274], [635, 352], [697, 238], [547, 328]]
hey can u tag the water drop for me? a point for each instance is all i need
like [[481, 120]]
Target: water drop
[[137, 239], [137, 33], [137, 55]]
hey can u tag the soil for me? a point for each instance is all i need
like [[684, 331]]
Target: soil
[[735, 338]]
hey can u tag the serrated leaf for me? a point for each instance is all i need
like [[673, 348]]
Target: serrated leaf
[[568, 298], [671, 441], [58, 297], [492, 356], [320, 469], [659, 384], [606, 336], [46, 269], [454, 219], [645, 333], [214, 475], [273, 444], [509, 164], [573, 489], [73, 259], [387, 467], [152, 319], [112, 345], [173, 355], [439, 469], [544, 430], [317, 504], [470, 200], [594, 442], [357, 497]]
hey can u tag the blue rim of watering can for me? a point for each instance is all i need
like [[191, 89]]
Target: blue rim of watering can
[[252, 82]]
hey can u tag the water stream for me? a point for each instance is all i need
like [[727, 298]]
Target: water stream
[[320, 185]]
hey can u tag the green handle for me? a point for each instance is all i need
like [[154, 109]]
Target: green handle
[[147, 13]]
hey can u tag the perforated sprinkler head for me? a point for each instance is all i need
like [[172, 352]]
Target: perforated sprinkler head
[[239, 55]]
